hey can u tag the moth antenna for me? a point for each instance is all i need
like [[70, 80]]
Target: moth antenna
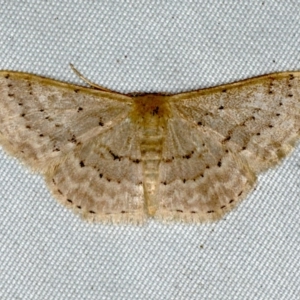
[[94, 85]]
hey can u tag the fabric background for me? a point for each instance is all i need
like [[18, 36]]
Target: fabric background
[[46, 252]]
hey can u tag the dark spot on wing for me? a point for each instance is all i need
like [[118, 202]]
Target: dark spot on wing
[[221, 107], [73, 139], [79, 109], [101, 123], [81, 164], [155, 111], [115, 156], [168, 160], [227, 139], [69, 200]]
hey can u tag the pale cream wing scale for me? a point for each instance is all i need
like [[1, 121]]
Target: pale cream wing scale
[[218, 139], [80, 139]]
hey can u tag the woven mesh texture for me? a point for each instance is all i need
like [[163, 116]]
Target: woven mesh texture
[[150, 46]]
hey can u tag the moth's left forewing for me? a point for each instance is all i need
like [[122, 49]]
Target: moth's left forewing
[[42, 119], [80, 139]]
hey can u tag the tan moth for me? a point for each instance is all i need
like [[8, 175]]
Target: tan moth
[[121, 158]]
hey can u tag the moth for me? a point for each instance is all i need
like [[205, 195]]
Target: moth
[[113, 157]]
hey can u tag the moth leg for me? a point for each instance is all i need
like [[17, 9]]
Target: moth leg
[[98, 87]]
